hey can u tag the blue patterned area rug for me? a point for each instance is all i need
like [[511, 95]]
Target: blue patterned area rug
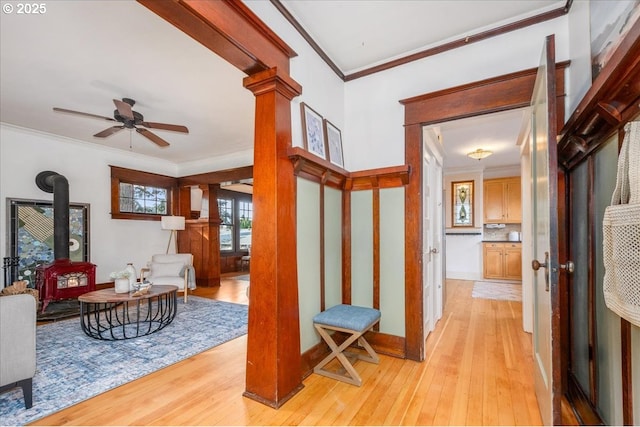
[[71, 367]]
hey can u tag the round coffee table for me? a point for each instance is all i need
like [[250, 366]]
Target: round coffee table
[[106, 315]]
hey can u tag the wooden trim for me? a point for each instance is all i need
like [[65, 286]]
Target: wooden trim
[[346, 247], [582, 407], [554, 193], [273, 343], [564, 277], [217, 177], [322, 249], [315, 169], [627, 374], [376, 251], [132, 176], [300, 29], [394, 176], [495, 94], [591, 287], [491, 95], [413, 232], [523, 23], [228, 28]]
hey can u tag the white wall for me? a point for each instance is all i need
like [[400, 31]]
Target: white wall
[[374, 118], [464, 252], [113, 243], [322, 90]]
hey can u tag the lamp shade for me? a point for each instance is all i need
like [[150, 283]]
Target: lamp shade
[[196, 199], [479, 154], [172, 222]]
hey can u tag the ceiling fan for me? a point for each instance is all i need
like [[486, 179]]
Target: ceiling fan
[[130, 120]]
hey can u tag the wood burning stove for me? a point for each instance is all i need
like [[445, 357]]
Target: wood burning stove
[[62, 279]]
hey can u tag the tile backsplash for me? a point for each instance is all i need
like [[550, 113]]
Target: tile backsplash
[[500, 233]]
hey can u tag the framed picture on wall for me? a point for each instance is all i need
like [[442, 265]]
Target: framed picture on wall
[[610, 23], [334, 143], [462, 207], [313, 131]]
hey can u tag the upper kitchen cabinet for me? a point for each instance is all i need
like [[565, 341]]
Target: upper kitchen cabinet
[[502, 202]]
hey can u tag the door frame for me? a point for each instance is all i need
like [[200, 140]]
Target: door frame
[[502, 93]]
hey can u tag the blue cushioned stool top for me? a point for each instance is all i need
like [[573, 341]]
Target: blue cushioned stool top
[[348, 317]]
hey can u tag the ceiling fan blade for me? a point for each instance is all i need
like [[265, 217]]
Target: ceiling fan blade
[[165, 126], [95, 116], [153, 137], [124, 109], [108, 132]]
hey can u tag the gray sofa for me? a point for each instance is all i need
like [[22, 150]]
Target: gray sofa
[[18, 344]]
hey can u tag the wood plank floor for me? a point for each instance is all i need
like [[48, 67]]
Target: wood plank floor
[[478, 371]]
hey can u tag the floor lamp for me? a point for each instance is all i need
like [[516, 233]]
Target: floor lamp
[[173, 223]]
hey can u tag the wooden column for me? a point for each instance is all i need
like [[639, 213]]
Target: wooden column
[[274, 371]]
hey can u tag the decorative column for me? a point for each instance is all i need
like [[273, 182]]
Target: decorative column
[[273, 349]]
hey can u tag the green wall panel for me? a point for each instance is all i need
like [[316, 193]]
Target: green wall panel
[[308, 252], [362, 248], [332, 247], [392, 304]]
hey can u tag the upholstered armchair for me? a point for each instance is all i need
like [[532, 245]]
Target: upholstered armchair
[[18, 344], [171, 269]]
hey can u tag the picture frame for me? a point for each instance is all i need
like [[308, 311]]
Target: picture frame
[[31, 234], [609, 25], [313, 131], [334, 143], [462, 204]]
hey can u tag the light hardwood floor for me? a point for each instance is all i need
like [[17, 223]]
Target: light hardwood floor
[[478, 371]]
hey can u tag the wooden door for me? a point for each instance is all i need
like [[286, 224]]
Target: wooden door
[[493, 260], [513, 202], [513, 261], [493, 201], [545, 239]]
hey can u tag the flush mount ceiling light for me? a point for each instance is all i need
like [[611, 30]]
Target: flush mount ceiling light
[[479, 154]]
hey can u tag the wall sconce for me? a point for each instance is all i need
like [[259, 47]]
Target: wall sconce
[[479, 154]]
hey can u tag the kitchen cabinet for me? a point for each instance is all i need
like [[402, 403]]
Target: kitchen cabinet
[[502, 260], [502, 201]]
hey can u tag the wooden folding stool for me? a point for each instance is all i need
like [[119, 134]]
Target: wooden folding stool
[[352, 320]]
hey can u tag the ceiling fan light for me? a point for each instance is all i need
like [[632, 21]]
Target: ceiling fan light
[[479, 154]]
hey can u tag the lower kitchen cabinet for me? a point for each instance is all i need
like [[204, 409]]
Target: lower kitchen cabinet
[[502, 260]]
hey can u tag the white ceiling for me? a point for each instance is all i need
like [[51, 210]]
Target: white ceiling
[[80, 55]]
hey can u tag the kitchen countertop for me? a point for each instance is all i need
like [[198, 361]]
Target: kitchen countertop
[[502, 241]]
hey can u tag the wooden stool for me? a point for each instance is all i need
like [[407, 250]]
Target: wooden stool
[[352, 320]]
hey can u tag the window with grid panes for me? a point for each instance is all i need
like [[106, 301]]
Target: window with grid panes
[[227, 238]]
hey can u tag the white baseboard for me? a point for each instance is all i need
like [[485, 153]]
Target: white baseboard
[[463, 275]]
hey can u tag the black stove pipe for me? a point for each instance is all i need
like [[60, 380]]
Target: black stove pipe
[[53, 182]]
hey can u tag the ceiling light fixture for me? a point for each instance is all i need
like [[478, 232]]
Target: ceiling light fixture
[[479, 154]]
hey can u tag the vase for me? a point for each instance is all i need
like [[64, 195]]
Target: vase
[[122, 285], [132, 275]]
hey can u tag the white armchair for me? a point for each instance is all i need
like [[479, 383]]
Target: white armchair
[[18, 344], [171, 269]]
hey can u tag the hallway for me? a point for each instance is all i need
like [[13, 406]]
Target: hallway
[[478, 371]]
